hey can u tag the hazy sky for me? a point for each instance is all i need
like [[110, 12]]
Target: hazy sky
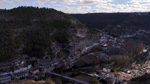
[[83, 6]]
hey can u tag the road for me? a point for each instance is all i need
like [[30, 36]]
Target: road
[[72, 79]]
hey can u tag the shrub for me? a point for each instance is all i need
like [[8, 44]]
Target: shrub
[[121, 61], [48, 81], [62, 37], [94, 80]]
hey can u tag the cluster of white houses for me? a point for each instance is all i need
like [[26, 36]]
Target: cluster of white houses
[[22, 70], [15, 75]]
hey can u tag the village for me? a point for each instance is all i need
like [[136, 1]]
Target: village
[[122, 77], [26, 68]]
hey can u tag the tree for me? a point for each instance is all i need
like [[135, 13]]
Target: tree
[[48, 81], [94, 80]]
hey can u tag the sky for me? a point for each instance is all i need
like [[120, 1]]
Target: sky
[[82, 6]]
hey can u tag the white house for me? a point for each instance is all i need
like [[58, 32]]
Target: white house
[[145, 49], [23, 69]]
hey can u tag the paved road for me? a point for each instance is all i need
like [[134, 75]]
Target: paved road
[[72, 79]]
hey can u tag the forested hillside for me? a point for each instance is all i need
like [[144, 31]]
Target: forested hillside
[[31, 31], [116, 23]]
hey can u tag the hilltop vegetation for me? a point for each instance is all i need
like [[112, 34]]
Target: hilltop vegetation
[[31, 30]]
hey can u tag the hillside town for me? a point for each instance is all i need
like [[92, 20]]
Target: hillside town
[[26, 68]]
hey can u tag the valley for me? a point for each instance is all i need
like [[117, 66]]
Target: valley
[[42, 44]]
